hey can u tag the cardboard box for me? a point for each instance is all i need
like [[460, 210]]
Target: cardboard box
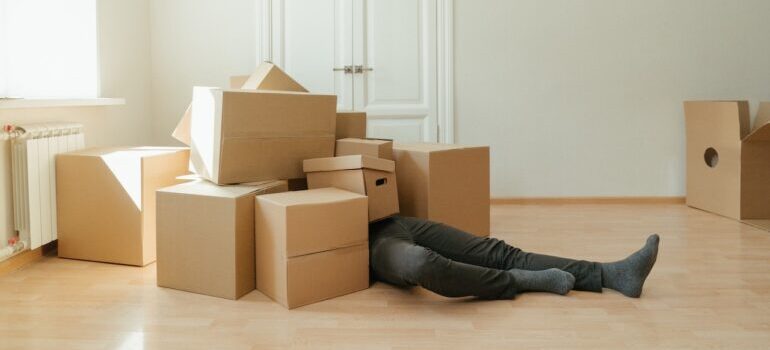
[[728, 163], [377, 148], [351, 125], [242, 136], [266, 77], [105, 200], [311, 245], [369, 176], [444, 183], [206, 237]]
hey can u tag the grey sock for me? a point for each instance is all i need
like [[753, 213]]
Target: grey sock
[[628, 275], [551, 281]]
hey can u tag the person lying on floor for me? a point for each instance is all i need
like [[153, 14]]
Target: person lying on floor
[[408, 251]]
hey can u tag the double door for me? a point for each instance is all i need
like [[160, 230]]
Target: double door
[[377, 56]]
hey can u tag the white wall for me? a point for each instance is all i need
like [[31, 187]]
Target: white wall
[[196, 42], [583, 98], [124, 69]]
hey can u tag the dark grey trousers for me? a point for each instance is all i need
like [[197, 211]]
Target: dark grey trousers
[[408, 252]]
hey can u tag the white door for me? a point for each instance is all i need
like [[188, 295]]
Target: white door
[[391, 45], [309, 38]]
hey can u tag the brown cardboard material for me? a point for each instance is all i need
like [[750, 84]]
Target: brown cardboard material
[[728, 163], [351, 125], [105, 201], [245, 136], [266, 77], [445, 183], [205, 237], [369, 147], [311, 245], [373, 177]]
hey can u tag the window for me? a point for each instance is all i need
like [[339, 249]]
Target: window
[[48, 49]]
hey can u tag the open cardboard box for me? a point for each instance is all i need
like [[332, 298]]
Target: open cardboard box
[[728, 163], [257, 133], [106, 201]]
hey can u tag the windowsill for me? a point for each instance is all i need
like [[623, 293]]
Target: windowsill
[[21, 103]]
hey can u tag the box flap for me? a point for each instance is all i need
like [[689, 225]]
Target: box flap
[[348, 162], [269, 77], [761, 130], [236, 82], [182, 130], [375, 142]]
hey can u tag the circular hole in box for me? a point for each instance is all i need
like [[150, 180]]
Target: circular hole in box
[[711, 156]]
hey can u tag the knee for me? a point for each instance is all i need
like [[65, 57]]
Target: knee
[[405, 264]]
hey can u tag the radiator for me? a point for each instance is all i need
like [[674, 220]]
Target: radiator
[[33, 151]]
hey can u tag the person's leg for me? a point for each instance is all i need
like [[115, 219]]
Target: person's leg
[[494, 253], [403, 263], [396, 259]]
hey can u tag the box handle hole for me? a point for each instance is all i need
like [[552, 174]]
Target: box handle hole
[[711, 157], [380, 182]]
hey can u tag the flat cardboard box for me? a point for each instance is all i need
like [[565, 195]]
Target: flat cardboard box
[[369, 176], [377, 148], [206, 237], [444, 183], [728, 163], [242, 136], [351, 125], [311, 245], [105, 200]]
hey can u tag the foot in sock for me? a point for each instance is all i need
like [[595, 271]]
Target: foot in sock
[[628, 275], [551, 281]]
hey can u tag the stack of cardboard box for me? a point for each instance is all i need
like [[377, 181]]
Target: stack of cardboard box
[[245, 218]]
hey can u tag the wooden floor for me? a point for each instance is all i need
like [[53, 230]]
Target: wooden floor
[[710, 289]]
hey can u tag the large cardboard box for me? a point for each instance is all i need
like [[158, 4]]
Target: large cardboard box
[[105, 199], [444, 183], [351, 125], [369, 176], [267, 76], [377, 148], [245, 136], [728, 163], [311, 245], [206, 237]]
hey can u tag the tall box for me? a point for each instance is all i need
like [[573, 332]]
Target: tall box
[[351, 125], [206, 237], [444, 183], [311, 245], [377, 148], [105, 199], [728, 163], [369, 176]]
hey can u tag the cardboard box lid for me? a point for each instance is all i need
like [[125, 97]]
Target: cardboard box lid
[[266, 77], [209, 189], [431, 147], [311, 197], [348, 163]]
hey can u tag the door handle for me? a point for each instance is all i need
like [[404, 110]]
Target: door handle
[[360, 69], [346, 69]]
